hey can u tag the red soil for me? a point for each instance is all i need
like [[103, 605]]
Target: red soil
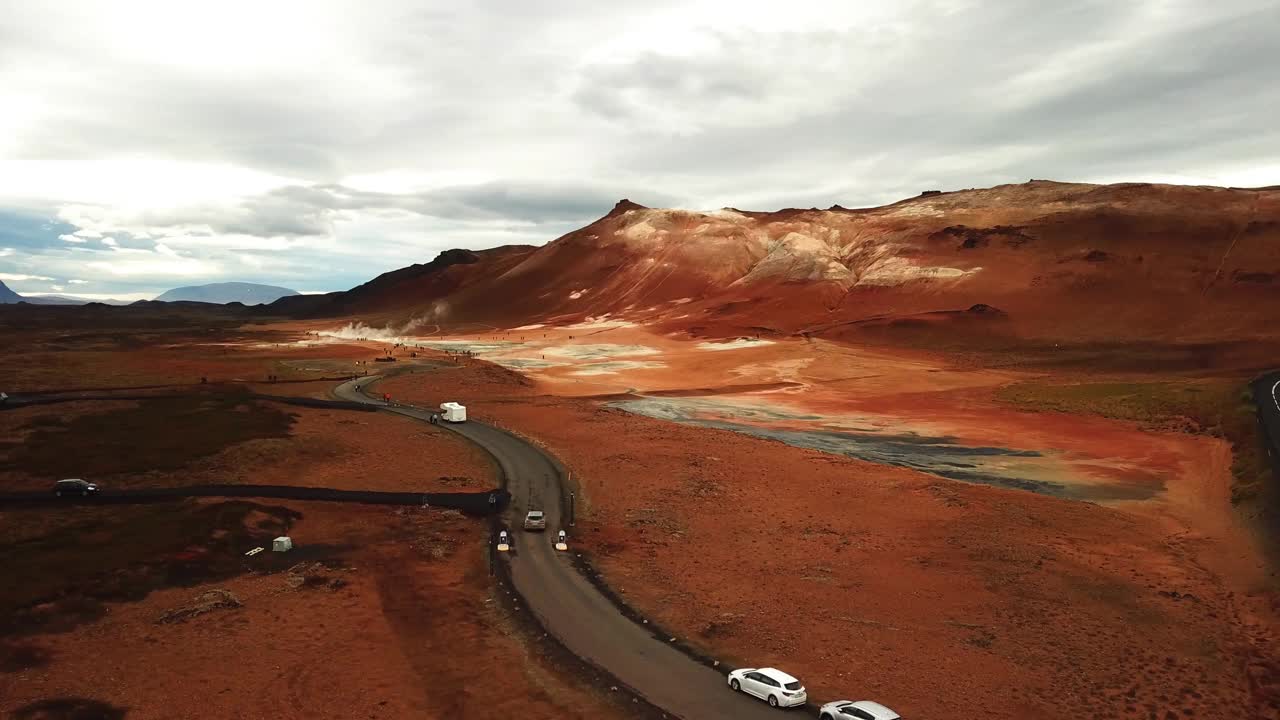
[[325, 448], [414, 631], [924, 593], [415, 600], [60, 359]]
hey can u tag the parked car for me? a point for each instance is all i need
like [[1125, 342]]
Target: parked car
[[860, 710], [535, 520], [769, 684], [75, 486]]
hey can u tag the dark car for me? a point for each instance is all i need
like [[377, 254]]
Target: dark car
[[75, 486]]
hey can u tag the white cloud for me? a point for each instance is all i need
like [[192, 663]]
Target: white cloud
[[129, 182], [326, 142], [78, 282], [57, 288], [152, 266], [6, 252], [19, 277], [124, 296], [1256, 175]]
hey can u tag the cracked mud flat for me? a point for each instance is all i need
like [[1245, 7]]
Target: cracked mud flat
[[600, 351], [888, 441], [527, 363], [898, 411], [830, 398], [477, 347], [586, 360], [617, 366], [738, 344]]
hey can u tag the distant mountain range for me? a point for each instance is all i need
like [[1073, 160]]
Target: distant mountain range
[[217, 293], [8, 296], [222, 293], [68, 300]]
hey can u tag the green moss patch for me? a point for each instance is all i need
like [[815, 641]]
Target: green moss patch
[[1217, 407]]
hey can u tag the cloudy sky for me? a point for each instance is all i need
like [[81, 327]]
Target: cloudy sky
[[145, 145]]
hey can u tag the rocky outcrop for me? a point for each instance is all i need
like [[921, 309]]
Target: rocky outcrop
[[8, 296], [205, 602]]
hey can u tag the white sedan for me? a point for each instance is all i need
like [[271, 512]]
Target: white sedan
[[860, 710], [773, 686]]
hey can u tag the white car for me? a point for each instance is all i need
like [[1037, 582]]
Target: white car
[[773, 686], [860, 710]]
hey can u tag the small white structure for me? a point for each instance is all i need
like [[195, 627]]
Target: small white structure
[[282, 544], [561, 542], [453, 412]]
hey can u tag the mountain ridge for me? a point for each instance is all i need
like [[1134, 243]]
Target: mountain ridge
[[228, 292], [1100, 261]]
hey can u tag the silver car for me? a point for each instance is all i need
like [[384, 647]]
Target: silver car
[[535, 520], [860, 710]]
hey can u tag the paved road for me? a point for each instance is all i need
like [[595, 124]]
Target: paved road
[[475, 503], [15, 402], [569, 606], [1266, 396]]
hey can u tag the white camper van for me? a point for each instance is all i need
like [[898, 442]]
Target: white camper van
[[453, 412]]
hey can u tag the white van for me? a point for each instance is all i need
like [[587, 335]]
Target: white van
[[453, 412]]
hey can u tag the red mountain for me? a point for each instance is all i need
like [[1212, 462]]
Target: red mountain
[[1047, 259]]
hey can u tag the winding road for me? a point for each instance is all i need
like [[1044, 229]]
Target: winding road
[[566, 603], [1266, 397], [475, 503]]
